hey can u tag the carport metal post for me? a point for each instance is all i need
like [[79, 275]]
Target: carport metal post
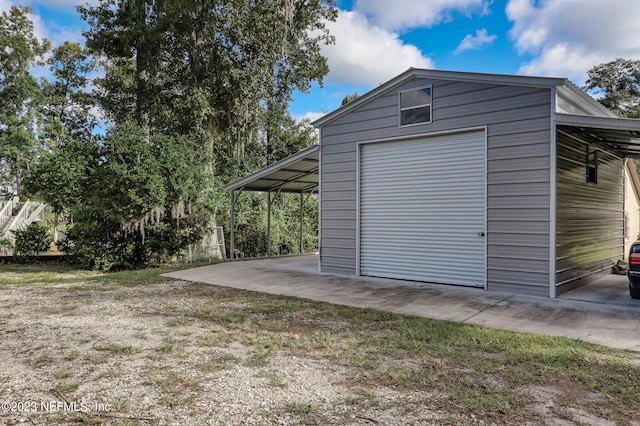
[[301, 221], [269, 203], [233, 225], [234, 200], [268, 223]]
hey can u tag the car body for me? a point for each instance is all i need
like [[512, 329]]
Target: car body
[[634, 270]]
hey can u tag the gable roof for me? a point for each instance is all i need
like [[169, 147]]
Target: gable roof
[[413, 73], [571, 99]]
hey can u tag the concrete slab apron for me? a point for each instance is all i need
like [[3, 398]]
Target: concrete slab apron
[[609, 325]]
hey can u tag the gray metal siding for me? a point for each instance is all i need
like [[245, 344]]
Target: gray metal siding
[[518, 165], [590, 217]]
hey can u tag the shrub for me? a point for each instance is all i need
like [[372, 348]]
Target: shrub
[[97, 241], [32, 240], [5, 245]]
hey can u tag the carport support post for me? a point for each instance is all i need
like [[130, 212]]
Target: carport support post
[[301, 222], [268, 223], [233, 226]]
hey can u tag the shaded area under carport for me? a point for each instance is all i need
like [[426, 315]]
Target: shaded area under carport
[[297, 174], [608, 289], [614, 325]]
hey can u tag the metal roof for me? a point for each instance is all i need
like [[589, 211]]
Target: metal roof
[[297, 173], [620, 134]]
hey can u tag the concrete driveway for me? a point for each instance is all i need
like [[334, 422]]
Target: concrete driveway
[[604, 315]]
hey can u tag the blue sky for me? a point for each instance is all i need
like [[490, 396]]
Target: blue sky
[[378, 39]]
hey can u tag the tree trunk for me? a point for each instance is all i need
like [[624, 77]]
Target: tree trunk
[[142, 72]]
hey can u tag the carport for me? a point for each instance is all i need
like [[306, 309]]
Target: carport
[[619, 134], [296, 174], [592, 216]]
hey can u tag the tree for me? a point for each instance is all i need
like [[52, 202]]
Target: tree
[[67, 129], [619, 84], [210, 64], [349, 98], [59, 175], [134, 196], [283, 136], [68, 103], [220, 73], [20, 97]]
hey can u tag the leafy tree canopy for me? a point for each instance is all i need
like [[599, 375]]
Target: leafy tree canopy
[[619, 84], [179, 65], [195, 93], [349, 98]]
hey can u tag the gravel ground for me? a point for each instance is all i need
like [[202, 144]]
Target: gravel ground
[[108, 357], [108, 354]]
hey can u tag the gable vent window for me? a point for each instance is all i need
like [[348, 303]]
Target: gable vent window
[[415, 106], [592, 165]]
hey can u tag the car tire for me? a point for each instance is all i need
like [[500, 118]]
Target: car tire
[[634, 292]]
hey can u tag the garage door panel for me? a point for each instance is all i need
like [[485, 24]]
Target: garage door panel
[[422, 206]]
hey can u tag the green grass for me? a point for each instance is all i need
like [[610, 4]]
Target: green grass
[[171, 383], [178, 321], [448, 358], [64, 373], [42, 273], [117, 349], [171, 345], [54, 273], [275, 380], [67, 388], [217, 363], [296, 407]]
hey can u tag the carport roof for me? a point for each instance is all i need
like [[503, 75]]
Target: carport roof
[[297, 173], [621, 134]]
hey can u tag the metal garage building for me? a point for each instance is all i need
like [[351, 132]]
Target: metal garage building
[[509, 183]]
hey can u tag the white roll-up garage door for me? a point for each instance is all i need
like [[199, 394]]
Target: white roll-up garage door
[[423, 208]]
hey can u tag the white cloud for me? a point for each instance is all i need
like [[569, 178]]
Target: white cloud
[[57, 33], [368, 55], [568, 37], [65, 4], [5, 5], [405, 14], [564, 60], [310, 116], [57, 4], [475, 43]]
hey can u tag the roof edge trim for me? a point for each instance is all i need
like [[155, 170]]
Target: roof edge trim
[[592, 122]]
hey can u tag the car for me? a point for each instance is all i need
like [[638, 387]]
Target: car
[[634, 270]]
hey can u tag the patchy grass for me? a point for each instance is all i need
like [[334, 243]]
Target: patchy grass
[[296, 407], [48, 273], [117, 349], [176, 322], [218, 362], [466, 372]]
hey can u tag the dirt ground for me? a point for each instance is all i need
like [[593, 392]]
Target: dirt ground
[[136, 355]]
